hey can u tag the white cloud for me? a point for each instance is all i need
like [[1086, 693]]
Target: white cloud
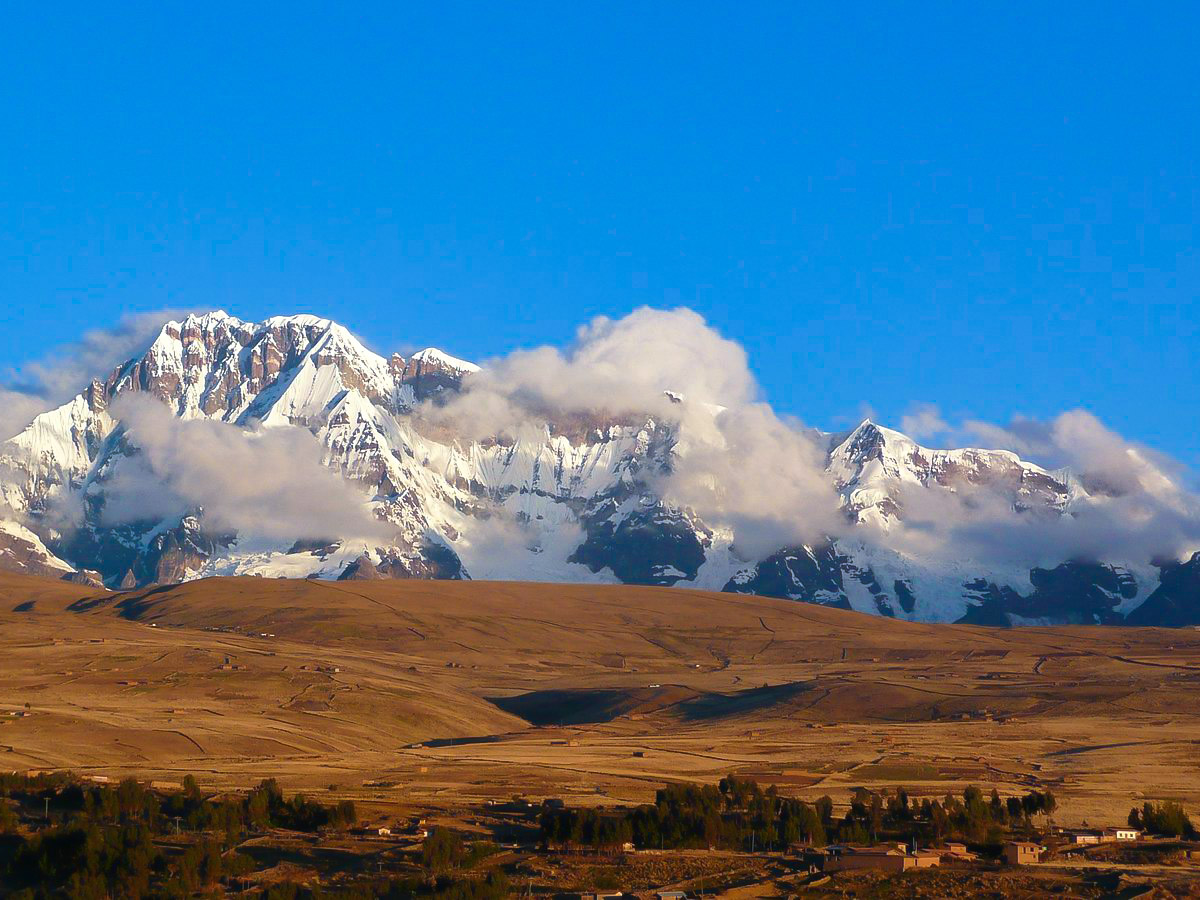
[[1134, 505], [924, 422], [615, 367], [54, 379], [266, 482], [738, 464], [758, 475]]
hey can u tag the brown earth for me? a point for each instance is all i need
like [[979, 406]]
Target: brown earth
[[406, 694]]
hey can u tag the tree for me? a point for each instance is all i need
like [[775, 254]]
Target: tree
[[876, 816], [997, 808], [210, 863], [824, 807], [442, 850], [1167, 818], [344, 814], [8, 818]]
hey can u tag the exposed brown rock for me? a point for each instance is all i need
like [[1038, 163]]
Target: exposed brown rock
[[361, 569], [89, 577], [22, 556]]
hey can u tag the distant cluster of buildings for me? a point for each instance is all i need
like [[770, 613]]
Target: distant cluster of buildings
[[897, 857], [414, 828], [1023, 853], [900, 857]]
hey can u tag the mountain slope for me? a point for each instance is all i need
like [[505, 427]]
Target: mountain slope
[[576, 499]]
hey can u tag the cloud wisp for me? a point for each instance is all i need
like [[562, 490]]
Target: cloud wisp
[[741, 466], [736, 463], [265, 482], [1126, 501], [57, 377]]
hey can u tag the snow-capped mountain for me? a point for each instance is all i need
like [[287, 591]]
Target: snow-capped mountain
[[574, 500]]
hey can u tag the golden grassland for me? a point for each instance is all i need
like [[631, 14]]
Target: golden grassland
[[410, 695]]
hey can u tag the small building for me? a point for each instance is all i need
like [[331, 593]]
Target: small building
[[926, 859], [1022, 853], [955, 853], [1083, 838], [884, 858], [670, 895], [1122, 833], [382, 831]]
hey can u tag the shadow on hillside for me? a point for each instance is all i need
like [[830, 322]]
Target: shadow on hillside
[[593, 706], [720, 706]]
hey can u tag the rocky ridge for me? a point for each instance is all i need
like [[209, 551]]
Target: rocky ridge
[[575, 502]]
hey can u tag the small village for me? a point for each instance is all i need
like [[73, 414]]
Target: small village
[[747, 841]]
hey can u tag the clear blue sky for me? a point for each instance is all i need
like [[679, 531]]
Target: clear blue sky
[[986, 207]]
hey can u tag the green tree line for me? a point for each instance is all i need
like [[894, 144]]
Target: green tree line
[[100, 839], [739, 814]]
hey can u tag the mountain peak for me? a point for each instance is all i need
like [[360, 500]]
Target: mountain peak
[[215, 315], [434, 356], [585, 499], [870, 440]]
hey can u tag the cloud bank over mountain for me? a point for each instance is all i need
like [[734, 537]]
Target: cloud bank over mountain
[[266, 482], [54, 378], [643, 451], [763, 475], [737, 462]]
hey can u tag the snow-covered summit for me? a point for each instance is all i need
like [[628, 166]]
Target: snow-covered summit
[[872, 465], [437, 357], [578, 500]]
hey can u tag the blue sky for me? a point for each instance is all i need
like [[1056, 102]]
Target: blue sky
[[991, 209]]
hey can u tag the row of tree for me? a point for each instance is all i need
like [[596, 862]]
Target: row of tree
[[1166, 819], [101, 839], [739, 814]]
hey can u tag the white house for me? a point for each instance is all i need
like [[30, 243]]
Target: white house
[[1122, 833]]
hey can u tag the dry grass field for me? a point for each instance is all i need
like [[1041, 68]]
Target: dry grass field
[[439, 695]]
